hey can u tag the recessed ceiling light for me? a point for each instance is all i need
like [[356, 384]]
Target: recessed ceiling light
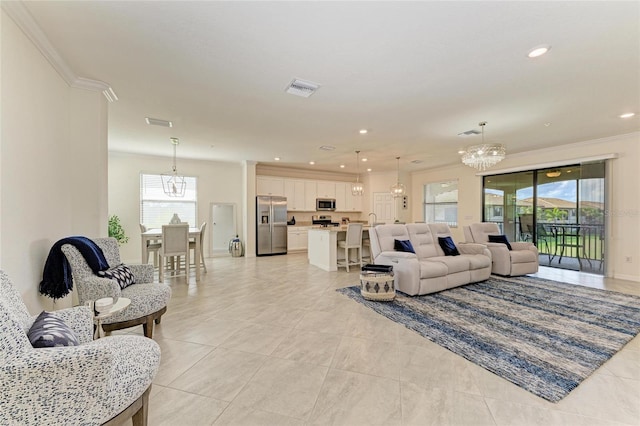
[[461, 151], [277, 158], [363, 131], [627, 115], [539, 51], [342, 166], [369, 170], [312, 162], [364, 160]]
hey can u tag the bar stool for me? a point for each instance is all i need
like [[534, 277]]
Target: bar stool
[[353, 240]]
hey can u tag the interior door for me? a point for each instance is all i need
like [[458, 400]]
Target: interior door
[[223, 226], [383, 207]]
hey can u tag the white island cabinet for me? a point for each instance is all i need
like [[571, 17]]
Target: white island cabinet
[[323, 248]]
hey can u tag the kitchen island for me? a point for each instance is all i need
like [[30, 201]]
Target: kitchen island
[[323, 246]]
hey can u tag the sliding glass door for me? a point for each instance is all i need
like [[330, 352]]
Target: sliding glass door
[[559, 209], [506, 198]]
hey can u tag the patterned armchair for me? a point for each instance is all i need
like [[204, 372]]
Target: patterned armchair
[[148, 299], [89, 384]]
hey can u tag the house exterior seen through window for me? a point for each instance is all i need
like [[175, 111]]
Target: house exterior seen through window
[[157, 208], [441, 202]]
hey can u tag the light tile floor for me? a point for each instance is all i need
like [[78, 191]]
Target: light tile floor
[[268, 341]]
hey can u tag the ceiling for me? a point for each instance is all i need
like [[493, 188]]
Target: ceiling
[[415, 74]]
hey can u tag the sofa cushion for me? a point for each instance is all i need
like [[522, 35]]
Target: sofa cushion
[[403, 245], [49, 331], [500, 239], [121, 274], [448, 246], [478, 261], [387, 234], [430, 269], [422, 240], [453, 263]]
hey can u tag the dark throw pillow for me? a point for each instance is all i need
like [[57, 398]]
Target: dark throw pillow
[[448, 246], [49, 331], [500, 239], [403, 245], [121, 273]]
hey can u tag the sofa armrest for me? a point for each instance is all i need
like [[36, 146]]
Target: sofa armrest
[[397, 255], [80, 320], [524, 245], [143, 273], [474, 248]]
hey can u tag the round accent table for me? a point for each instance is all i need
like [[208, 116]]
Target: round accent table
[[121, 304], [377, 286]]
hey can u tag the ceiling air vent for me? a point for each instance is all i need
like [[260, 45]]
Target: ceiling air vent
[[302, 88], [327, 148], [472, 132], [158, 122]]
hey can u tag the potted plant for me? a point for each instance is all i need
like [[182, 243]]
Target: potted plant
[[116, 230]]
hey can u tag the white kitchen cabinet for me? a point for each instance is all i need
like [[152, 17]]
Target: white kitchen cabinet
[[310, 195], [297, 238], [294, 191], [353, 202], [326, 189], [341, 196], [267, 185]]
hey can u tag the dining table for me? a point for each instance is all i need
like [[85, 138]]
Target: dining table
[[155, 235]]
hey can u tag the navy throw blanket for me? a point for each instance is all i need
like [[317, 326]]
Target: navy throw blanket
[[57, 280]]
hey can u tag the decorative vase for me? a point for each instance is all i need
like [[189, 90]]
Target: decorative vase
[[175, 220]]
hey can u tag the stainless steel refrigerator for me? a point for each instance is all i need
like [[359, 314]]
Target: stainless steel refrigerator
[[271, 225]]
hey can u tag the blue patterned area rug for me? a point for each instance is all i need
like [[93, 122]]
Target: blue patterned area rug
[[545, 336]]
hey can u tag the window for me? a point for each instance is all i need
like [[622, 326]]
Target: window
[[441, 202], [157, 208]]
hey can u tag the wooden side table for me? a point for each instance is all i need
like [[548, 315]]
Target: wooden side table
[[121, 304]]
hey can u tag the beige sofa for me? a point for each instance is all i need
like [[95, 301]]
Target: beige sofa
[[428, 270], [521, 260]]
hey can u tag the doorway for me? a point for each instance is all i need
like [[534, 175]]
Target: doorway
[[223, 227], [383, 207]]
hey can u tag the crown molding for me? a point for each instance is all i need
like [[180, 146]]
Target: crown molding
[[23, 19]]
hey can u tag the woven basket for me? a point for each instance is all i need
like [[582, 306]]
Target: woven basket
[[377, 286]]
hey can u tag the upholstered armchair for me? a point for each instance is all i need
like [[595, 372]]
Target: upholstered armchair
[[89, 384], [148, 299], [522, 259]]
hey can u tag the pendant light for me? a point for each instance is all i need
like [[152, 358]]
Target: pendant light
[[357, 188], [173, 184], [484, 155], [398, 189]]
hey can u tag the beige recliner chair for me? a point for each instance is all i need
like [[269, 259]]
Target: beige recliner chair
[[521, 260]]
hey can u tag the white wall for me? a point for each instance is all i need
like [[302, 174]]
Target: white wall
[[53, 149], [624, 215], [218, 182]]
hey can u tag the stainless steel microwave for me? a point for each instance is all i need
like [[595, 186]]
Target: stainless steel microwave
[[325, 204]]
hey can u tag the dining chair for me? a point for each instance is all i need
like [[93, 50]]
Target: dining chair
[[192, 246], [152, 247], [175, 243], [353, 240]]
